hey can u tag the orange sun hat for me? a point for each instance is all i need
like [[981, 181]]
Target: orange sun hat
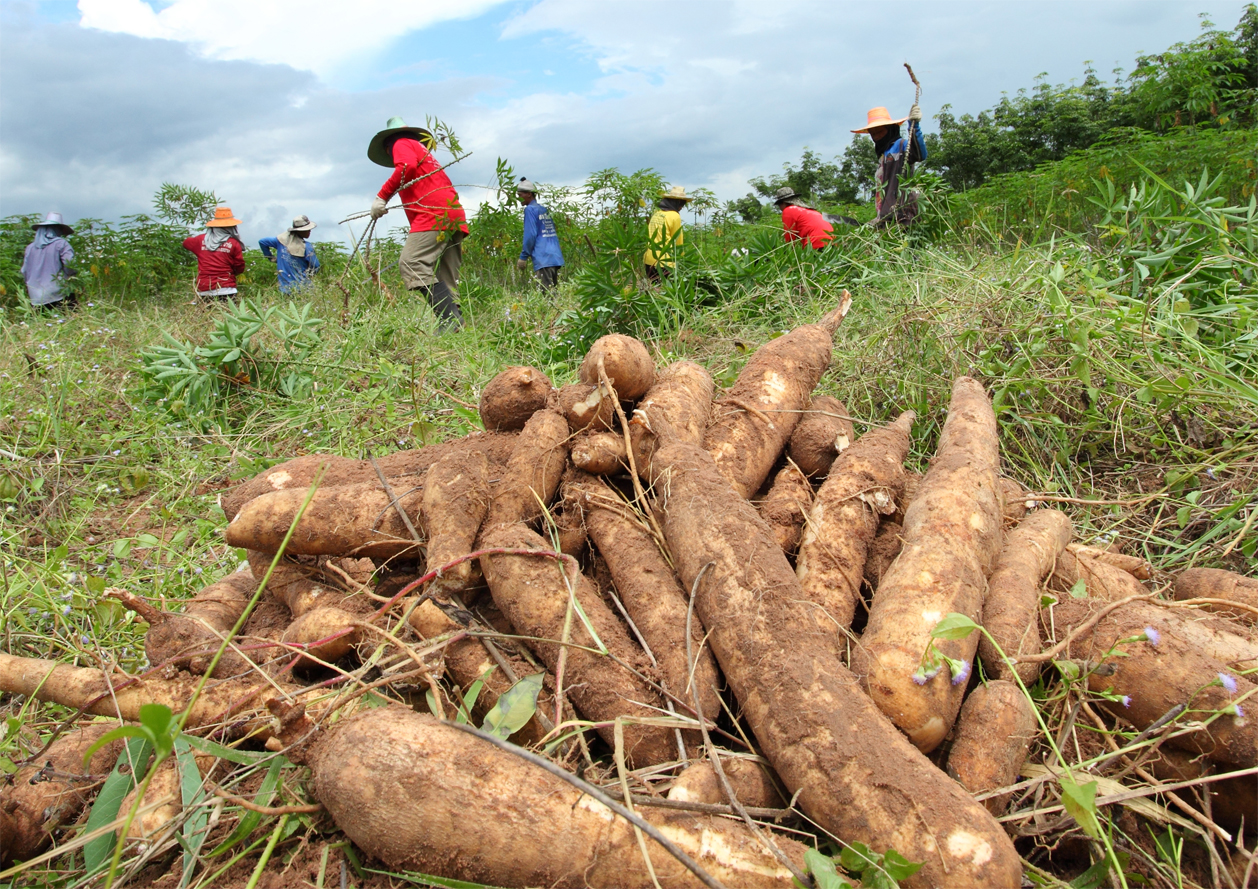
[[222, 218], [879, 117]]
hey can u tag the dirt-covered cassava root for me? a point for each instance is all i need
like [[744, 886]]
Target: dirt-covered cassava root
[[822, 434], [952, 536], [423, 796], [509, 399], [863, 485], [648, 588], [785, 508], [1011, 610], [626, 361], [678, 406], [532, 474], [993, 734], [855, 774], [190, 639], [50, 792], [456, 500], [1215, 583], [534, 595], [752, 424]]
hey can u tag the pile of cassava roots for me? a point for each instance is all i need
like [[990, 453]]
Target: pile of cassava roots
[[722, 611]]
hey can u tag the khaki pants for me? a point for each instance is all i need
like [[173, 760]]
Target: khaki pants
[[425, 260]]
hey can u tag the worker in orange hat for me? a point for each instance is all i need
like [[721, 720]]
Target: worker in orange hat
[[896, 155], [220, 255]]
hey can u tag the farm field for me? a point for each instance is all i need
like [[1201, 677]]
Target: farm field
[[1112, 332]]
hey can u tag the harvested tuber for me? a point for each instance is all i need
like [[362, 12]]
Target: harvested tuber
[[627, 362], [952, 536], [785, 508], [586, 407], [855, 774], [1215, 583], [190, 639], [863, 485], [993, 735], [532, 475], [423, 796], [649, 590], [455, 503], [533, 594], [510, 398], [751, 425], [50, 792], [326, 634], [822, 434], [752, 782], [600, 453], [678, 406], [1011, 610], [883, 551]]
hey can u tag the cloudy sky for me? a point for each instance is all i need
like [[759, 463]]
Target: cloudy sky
[[272, 104]]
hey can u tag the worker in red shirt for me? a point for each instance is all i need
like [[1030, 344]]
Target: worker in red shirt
[[220, 255], [433, 253], [801, 222]]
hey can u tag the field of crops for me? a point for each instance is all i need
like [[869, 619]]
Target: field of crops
[[1107, 313]]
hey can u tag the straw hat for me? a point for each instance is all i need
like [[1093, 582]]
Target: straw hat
[[55, 219], [784, 194], [526, 185], [376, 150], [302, 224], [879, 117], [677, 193], [223, 218]]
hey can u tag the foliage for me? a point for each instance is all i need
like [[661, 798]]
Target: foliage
[[184, 205], [249, 347]]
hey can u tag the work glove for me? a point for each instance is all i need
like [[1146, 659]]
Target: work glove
[[522, 264], [915, 113], [378, 208]]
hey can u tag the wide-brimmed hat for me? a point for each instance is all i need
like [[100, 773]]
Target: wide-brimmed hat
[[302, 224], [783, 194], [526, 185], [677, 193], [54, 219], [223, 218], [879, 117], [378, 153]]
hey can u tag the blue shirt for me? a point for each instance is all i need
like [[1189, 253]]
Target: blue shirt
[[541, 241], [294, 271]]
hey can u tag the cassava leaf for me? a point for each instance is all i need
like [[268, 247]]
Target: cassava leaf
[[953, 626], [514, 708]]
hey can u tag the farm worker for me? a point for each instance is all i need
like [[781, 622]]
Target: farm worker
[[895, 155], [220, 255], [664, 232], [801, 222], [432, 254], [46, 264], [541, 241], [294, 259]]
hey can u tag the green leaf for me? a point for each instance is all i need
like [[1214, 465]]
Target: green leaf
[[953, 626], [1094, 876], [121, 781], [823, 871], [122, 548], [856, 857], [1080, 803], [126, 731], [1080, 589], [240, 757], [192, 790], [161, 726], [147, 541], [514, 708], [1183, 515], [899, 867], [249, 820]]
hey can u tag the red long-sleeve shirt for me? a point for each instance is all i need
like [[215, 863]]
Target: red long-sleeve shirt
[[216, 268], [431, 203], [806, 224]]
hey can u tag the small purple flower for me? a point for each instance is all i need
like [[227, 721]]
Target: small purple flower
[[83, 640], [927, 672], [1237, 711], [1153, 636], [1125, 700], [960, 672], [1228, 682]]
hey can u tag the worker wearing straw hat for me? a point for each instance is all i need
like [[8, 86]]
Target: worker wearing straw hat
[[432, 254], [46, 263], [220, 255], [295, 260], [664, 233], [896, 154], [541, 240], [801, 222]]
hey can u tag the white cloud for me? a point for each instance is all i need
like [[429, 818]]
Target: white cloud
[[313, 35]]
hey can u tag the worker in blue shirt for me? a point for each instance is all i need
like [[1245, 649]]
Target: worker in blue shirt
[[541, 241], [294, 258]]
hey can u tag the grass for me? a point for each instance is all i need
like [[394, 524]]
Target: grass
[[1133, 393]]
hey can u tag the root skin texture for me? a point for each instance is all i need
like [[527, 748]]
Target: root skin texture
[[1011, 610], [423, 796], [751, 782], [533, 595], [993, 734], [456, 501], [822, 434], [207, 617], [863, 485], [627, 362], [855, 774], [600, 453], [952, 536], [677, 408], [1215, 583], [533, 472], [510, 398], [786, 506]]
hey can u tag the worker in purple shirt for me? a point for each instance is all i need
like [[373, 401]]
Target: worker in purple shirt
[[46, 264], [541, 241]]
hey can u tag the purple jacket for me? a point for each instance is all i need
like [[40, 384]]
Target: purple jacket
[[44, 269]]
